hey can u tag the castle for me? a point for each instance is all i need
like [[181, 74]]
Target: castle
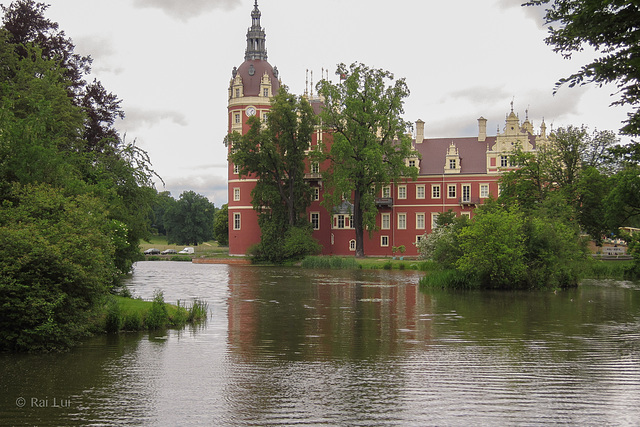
[[453, 173]]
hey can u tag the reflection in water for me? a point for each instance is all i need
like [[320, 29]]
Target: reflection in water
[[291, 346]]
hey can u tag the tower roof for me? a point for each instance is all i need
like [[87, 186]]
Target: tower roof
[[256, 48], [255, 65]]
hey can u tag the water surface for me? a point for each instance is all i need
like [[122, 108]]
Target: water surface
[[287, 346]]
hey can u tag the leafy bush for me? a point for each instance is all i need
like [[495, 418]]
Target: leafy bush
[[57, 265], [158, 316]]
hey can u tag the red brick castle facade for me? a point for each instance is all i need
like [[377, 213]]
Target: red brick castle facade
[[453, 173]]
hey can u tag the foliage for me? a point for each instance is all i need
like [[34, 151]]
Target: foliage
[[370, 143], [221, 226], [504, 248], [623, 199], [158, 316], [276, 154], [189, 221], [57, 264], [442, 245], [610, 28], [60, 152], [277, 247], [494, 247], [26, 24]]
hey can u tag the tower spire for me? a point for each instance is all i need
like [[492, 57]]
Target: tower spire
[[256, 36]]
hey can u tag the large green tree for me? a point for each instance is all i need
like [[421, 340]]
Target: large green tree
[[611, 28], [276, 154], [370, 145], [189, 221]]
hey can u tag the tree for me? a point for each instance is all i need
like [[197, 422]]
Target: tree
[[610, 27], [276, 155], [370, 142], [26, 23], [221, 226], [565, 171], [190, 220], [162, 203]]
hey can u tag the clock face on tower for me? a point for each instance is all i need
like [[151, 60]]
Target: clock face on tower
[[250, 111]]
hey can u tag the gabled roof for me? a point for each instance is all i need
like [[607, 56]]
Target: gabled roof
[[473, 154]]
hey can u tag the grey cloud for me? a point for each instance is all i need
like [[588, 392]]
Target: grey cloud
[[536, 13], [137, 118], [480, 95], [184, 10]]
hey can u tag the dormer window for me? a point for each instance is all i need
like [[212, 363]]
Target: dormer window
[[453, 163], [265, 92]]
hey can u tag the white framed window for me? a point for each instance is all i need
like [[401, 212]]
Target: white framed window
[[467, 214], [418, 238], [265, 92], [341, 221], [315, 220], [236, 194], [435, 191], [384, 241], [316, 194], [386, 191], [452, 163], [504, 161], [352, 245], [402, 192], [451, 191], [236, 118], [237, 93], [484, 191], [235, 169], [466, 193], [420, 221], [236, 221], [412, 163], [315, 167], [385, 221], [420, 192], [402, 221]]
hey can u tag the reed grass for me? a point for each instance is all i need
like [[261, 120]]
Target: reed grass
[[330, 262]]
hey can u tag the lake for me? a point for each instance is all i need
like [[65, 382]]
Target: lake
[[287, 346]]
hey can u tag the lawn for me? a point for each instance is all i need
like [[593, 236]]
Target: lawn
[[209, 249]]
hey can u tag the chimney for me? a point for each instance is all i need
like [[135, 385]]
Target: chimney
[[482, 129], [419, 131]]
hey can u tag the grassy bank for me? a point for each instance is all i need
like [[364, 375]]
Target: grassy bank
[[129, 314], [352, 263]]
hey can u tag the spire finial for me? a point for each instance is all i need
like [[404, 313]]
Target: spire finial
[[255, 37]]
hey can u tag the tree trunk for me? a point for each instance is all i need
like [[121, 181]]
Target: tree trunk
[[357, 220]]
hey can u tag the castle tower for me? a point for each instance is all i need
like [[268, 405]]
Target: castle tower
[[252, 85]]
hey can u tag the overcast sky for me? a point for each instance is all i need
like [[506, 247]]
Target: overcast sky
[[170, 62]]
